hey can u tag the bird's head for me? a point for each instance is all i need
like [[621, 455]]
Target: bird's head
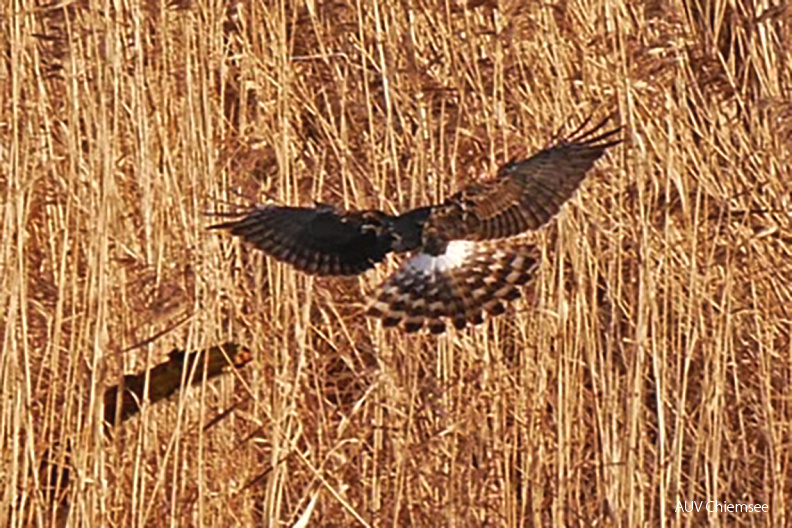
[[407, 229]]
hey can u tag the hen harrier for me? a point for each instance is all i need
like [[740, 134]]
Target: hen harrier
[[467, 253]]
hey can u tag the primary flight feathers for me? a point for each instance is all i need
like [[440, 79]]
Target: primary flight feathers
[[461, 264]]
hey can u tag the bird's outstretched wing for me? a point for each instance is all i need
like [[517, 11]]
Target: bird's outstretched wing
[[461, 270], [526, 194], [468, 280], [318, 240]]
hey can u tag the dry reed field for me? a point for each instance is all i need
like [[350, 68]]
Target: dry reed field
[[646, 367]]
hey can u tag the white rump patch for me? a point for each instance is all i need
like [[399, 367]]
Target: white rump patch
[[456, 254]]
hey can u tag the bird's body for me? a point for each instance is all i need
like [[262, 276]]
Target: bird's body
[[468, 252]]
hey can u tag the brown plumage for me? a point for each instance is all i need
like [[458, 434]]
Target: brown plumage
[[475, 278], [467, 252]]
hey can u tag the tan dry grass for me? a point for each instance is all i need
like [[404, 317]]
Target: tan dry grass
[[649, 364]]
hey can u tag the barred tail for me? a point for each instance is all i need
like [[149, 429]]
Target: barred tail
[[470, 279]]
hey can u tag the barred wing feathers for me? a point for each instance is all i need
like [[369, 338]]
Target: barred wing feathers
[[316, 240], [528, 193]]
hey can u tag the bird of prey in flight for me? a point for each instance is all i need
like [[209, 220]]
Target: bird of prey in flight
[[468, 254]]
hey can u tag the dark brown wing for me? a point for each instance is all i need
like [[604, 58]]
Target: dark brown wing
[[529, 193], [318, 240]]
